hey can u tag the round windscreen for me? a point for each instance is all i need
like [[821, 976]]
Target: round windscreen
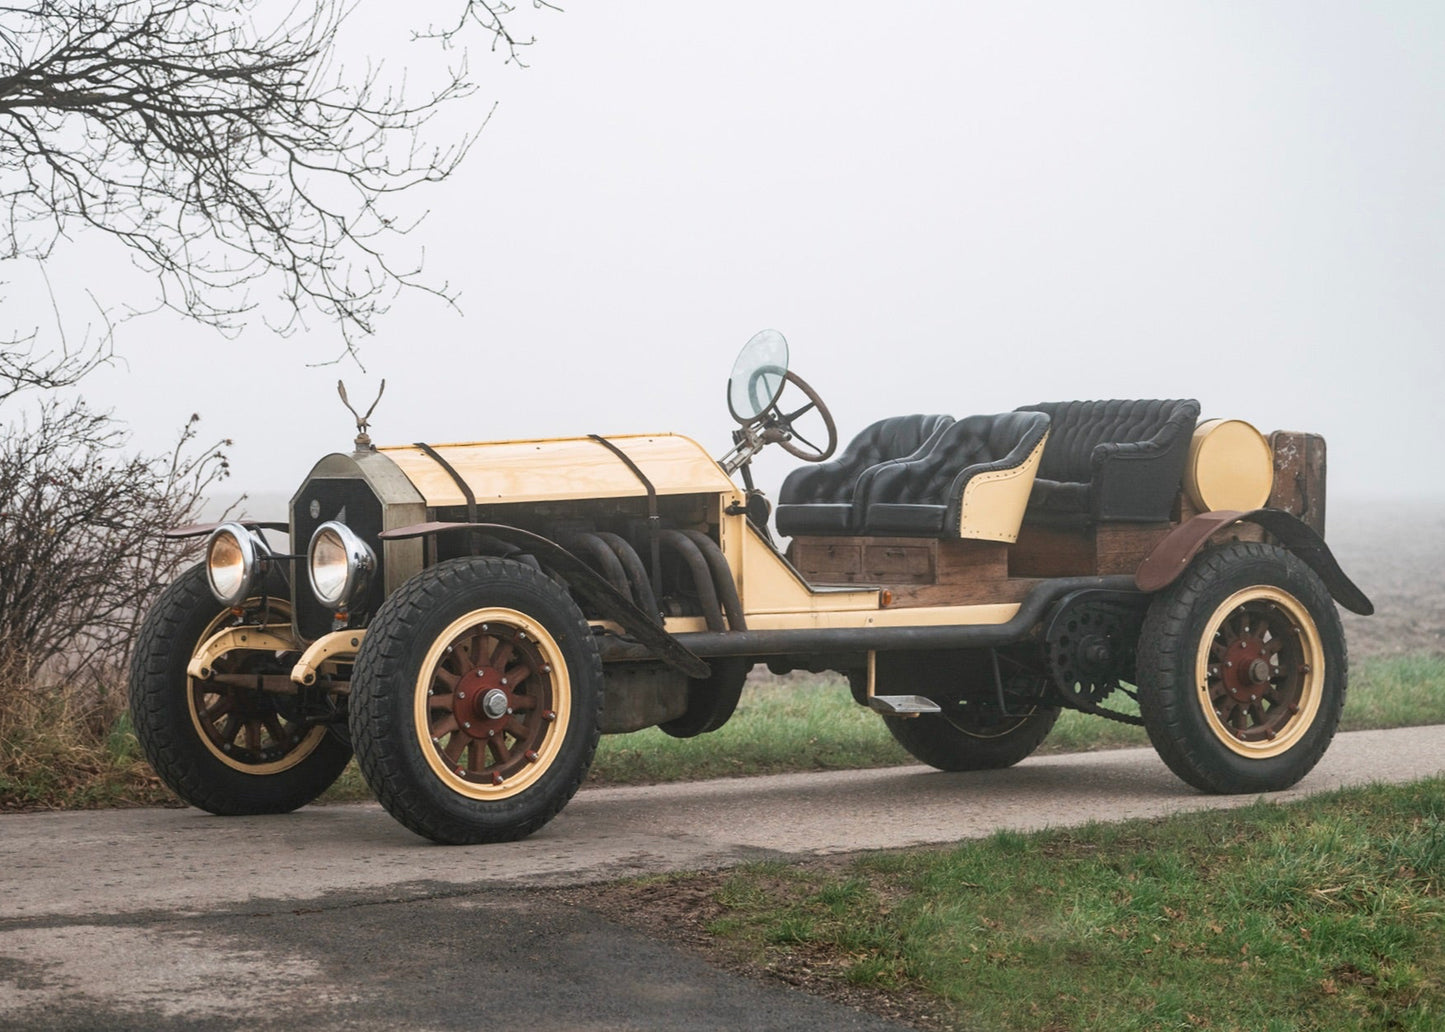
[[758, 375]]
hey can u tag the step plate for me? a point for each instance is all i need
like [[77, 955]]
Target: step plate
[[903, 704]]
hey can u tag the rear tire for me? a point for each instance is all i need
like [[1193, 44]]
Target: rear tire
[[476, 701], [1242, 670], [955, 742]]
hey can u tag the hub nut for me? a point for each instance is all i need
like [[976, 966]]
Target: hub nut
[[494, 703]]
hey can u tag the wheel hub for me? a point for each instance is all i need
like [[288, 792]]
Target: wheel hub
[[482, 705], [1245, 671]]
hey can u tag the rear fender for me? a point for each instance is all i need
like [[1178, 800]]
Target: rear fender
[[1172, 555]]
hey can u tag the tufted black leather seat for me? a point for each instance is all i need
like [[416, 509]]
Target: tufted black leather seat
[[825, 498], [924, 495], [1111, 461]]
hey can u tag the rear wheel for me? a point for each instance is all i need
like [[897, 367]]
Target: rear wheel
[[476, 701], [976, 730], [226, 749], [1242, 670], [973, 736]]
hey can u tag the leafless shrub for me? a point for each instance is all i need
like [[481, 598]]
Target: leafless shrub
[[81, 555]]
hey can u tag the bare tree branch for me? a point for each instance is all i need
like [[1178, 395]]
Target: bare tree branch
[[222, 151]]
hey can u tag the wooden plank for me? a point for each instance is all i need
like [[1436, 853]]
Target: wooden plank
[[1299, 476], [979, 592], [1052, 552], [827, 557], [1121, 547], [909, 563]]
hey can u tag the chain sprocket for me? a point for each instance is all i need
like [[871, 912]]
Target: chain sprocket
[[1090, 643]]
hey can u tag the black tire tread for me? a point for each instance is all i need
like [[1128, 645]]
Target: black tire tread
[[1167, 648], [171, 744], [931, 739], [386, 652]]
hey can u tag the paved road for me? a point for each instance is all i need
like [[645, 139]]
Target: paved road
[[338, 917]]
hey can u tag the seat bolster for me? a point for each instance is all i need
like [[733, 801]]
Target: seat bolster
[[905, 520], [801, 484], [1137, 481], [814, 518], [864, 486], [1136, 484], [987, 501]]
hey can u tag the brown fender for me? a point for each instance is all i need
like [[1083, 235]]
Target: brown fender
[[1172, 555]]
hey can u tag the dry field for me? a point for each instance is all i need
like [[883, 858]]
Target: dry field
[[1395, 551]]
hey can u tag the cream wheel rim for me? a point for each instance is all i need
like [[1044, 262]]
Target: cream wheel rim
[[242, 727], [492, 703], [1259, 671]]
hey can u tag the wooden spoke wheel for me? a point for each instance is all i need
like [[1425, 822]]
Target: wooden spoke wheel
[[493, 703], [1260, 671], [222, 744], [476, 701], [1242, 670]]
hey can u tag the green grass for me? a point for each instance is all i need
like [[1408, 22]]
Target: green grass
[[51, 755], [816, 726], [1326, 915], [777, 727]]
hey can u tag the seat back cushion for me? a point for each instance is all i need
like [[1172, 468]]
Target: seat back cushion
[[1111, 460], [1078, 427], [819, 498], [833, 481], [914, 497]]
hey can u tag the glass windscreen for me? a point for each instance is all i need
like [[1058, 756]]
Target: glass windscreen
[[758, 375]]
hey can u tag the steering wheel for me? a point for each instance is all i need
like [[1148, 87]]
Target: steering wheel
[[779, 427]]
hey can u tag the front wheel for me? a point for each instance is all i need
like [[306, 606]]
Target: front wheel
[[227, 749], [1242, 670], [476, 701]]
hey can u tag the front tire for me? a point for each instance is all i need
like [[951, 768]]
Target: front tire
[[1242, 670], [476, 701], [229, 751]]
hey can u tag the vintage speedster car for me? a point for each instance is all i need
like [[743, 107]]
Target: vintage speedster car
[[469, 618]]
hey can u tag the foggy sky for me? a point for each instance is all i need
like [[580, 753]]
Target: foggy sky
[[946, 207]]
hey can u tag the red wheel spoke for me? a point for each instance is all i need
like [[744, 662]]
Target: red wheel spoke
[[446, 677], [441, 702], [273, 727], [224, 704], [253, 735], [501, 656], [499, 751], [523, 703], [230, 728], [477, 756], [483, 645], [518, 674], [517, 729], [453, 750], [445, 726]]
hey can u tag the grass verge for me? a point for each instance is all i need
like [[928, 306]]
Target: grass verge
[[1325, 915], [812, 724], [56, 752]]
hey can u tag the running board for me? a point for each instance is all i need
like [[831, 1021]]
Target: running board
[[903, 705]]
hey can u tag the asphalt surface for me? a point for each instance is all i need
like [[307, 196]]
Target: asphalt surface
[[337, 917]]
